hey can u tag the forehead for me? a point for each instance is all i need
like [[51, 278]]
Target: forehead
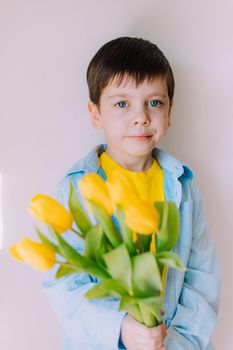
[[128, 87]]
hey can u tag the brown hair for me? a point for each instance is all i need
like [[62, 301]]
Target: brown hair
[[133, 57]]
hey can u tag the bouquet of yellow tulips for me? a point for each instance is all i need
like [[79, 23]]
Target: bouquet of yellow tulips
[[128, 249]]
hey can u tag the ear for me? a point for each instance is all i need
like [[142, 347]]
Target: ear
[[95, 115], [169, 114]]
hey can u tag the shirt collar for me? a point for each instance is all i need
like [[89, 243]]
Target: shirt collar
[[90, 163]]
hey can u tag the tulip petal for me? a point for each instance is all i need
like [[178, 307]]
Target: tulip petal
[[38, 255], [142, 217], [13, 250], [51, 212], [93, 188], [122, 190]]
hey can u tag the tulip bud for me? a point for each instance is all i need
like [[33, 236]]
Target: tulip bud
[[93, 188], [51, 212], [38, 255], [142, 217], [122, 190]]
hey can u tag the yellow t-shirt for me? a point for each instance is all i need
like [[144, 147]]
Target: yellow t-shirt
[[150, 184]]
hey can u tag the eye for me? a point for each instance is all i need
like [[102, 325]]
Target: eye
[[121, 104], [155, 103]]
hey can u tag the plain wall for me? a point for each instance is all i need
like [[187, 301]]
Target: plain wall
[[45, 48]]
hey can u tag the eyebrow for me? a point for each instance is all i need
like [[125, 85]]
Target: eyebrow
[[126, 95]]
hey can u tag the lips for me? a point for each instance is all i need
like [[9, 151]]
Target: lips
[[142, 137]]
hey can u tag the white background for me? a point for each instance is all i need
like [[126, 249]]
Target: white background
[[45, 126]]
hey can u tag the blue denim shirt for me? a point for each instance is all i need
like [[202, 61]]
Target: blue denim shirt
[[191, 299]]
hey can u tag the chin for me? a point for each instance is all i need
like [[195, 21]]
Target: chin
[[138, 153]]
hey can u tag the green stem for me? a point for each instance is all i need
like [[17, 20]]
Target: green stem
[[66, 264], [77, 233]]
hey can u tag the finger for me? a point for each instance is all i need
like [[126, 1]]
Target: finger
[[156, 332], [145, 331], [139, 328], [141, 342], [147, 344], [134, 345], [136, 342]]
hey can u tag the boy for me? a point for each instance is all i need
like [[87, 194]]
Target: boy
[[131, 88]]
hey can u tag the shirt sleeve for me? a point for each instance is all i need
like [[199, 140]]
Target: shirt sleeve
[[196, 313], [96, 321]]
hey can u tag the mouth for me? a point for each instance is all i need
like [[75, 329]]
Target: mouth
[[141, 138]]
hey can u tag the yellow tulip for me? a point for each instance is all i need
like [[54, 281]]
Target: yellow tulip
[[51, 212], [122, 190], [142, 217], [15, 253], [38, 255], [93, 187]]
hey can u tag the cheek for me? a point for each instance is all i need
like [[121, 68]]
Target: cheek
[[116, 125], [160, 123], [114, 130]]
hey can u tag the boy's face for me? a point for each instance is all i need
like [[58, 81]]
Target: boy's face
[[126, 113]]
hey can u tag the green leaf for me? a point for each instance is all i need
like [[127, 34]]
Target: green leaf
[[119, 265], [67, 250], [107, 288], [132, 308], [126, 232], [168, 233], [79, 214], [77, 259], [151, 310], [149, 318], [147, 307], [66, 270], [108, 226], [95, 244], [146, 276], [170, 259], [45, 240], [92, 240], [96, 270]]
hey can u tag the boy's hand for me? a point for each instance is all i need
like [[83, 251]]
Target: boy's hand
[[136, 336]]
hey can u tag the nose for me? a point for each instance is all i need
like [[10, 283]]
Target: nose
[[141, 117]]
